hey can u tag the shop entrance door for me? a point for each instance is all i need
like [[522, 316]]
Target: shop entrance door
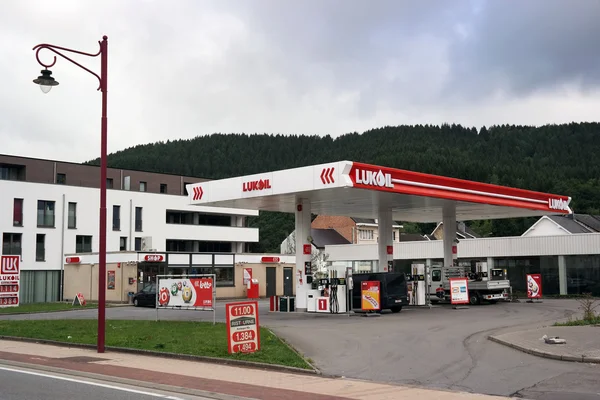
[[288, 282], [147, 273], [271, 281]]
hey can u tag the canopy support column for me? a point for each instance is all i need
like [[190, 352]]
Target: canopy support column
[[303, 222], [385, 242], [449, 232]]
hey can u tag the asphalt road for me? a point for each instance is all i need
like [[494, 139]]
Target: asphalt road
[[21, 383], [438, 347]]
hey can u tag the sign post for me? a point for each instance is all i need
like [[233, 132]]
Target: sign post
[[243, 328], [370, 295], [534, 287], [187, 292], [459, 291], [10, 277]]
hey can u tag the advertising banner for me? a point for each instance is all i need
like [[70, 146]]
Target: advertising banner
[[534, 286], [10, 276], [110, 280], [243, 329], [459, 291], [370, 295], [247, 275], [185, 293]]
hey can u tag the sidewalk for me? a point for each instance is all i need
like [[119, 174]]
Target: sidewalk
[[583, 342], [207, 379]]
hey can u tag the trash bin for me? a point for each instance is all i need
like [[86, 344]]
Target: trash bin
[[130, 297], [292, 304], [283, 303]]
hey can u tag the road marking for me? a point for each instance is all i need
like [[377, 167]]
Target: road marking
[[91, 383]]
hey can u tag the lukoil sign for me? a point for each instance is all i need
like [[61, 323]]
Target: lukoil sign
[[558, 204], [256, 185], [373, 178]]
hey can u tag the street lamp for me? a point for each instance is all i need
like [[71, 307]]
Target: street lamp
[[46, 81]]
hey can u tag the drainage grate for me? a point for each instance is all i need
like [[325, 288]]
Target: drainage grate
[[83, 359]]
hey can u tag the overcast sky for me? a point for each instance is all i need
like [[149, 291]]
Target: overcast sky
[[178, 69]]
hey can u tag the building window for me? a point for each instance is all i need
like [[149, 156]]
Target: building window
[[138, 244], [196, 218], [123, 243], [11, 244], [163, 188], [61, 179], [198, 246], [40, 247], [394, 236], [185, 191], [45, 216], [10, 172], [109, 183], [138, 219], [72, 222], [116, 218], [83, 244], [18, 212], [143, 186], [365, 234]]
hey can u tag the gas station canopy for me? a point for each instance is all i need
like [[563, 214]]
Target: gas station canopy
[[360, 190]]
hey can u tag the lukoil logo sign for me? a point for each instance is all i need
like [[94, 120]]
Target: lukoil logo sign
[[558, 204], [373, 178], [256, 185]]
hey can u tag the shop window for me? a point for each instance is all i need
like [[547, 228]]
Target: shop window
[[224, 275], [83, 244], [45, 214], [18, 212]]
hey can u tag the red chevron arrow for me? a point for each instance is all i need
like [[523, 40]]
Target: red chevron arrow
[[198, 192], [327, 175]]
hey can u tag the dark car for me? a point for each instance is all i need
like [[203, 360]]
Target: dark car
[[393, 286], [146, 297]]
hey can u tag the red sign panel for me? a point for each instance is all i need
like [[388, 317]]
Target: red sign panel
[[270, 259], [72, 260], [534, 286], [243, 328], [390, 250], [322, 304], [10, 274], [154, 258], [366, 176], [307, 249]]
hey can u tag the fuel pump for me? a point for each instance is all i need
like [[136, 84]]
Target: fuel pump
[[334, 305], [418, 292]]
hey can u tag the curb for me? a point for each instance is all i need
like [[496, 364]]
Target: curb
[[545, 354], [49, 312], [189, 357]]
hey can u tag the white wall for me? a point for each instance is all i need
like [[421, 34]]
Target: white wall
[[546, 227], [153, 218], [575, 244]]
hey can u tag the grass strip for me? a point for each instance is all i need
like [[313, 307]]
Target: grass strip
[[31, 308], [180, 337]]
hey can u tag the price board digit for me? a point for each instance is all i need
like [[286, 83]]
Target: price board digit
[[243, 329]]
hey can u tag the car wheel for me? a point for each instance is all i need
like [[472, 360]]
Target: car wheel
[[474, 299], [396, 309], [136, 303]]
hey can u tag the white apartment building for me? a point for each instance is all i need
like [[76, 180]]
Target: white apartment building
[[50, 208]]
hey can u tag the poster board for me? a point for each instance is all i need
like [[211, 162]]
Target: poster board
[[186, 292], [370, 295], [534, 286], [459, 290], [110, 280], [247, 276], [243, 328]]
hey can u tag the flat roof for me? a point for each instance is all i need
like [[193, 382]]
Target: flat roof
[[358, 190]]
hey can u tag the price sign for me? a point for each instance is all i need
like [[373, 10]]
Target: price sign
[[242, 327], [10, 275]]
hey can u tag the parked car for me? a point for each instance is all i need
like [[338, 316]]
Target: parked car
[[146, 296]]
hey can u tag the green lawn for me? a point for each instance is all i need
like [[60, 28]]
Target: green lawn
[[182, 337], [580, 322], [44, 307]]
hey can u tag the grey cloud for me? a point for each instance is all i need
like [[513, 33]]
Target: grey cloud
[[527, 46]]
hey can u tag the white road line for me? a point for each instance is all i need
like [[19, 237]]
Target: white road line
[[91, 383]]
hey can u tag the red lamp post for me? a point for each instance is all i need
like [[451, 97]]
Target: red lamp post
[[46, 81]]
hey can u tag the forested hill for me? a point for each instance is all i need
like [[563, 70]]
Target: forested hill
[[563, 159]]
